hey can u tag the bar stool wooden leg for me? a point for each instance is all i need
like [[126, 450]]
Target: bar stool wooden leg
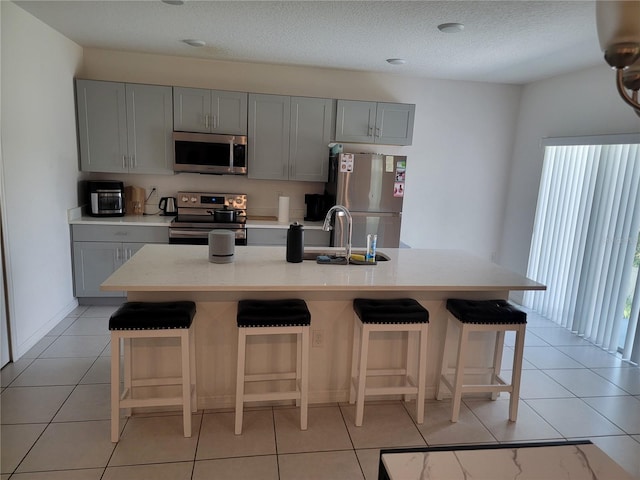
[[355, 354], [304, 381], [115, 387], [497, 361], [444, 364], [298, 365], [362, 373], [128, 367], [412, 358], [242, 344], [422, 374], [459, 375], [192, 361], [186, 382], [516, 373]]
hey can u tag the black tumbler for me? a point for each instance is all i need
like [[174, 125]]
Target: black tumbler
[[295, 243]]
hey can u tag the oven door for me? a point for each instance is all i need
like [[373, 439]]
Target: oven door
[[200, 236]]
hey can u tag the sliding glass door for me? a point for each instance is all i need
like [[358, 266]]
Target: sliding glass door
[[585, 239]]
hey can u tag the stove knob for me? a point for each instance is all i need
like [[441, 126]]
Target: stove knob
[[184, 199], [194, 199]]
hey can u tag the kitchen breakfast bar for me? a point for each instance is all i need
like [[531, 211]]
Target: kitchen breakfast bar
[[183, 272]]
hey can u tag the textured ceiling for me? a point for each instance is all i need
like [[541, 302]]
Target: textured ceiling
[[503, 41]]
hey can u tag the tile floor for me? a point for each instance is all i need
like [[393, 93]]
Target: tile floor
[[55, 417]]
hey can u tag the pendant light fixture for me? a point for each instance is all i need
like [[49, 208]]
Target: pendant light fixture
[[619, 34]]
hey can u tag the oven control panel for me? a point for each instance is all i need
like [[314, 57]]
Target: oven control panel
[[212, 200]]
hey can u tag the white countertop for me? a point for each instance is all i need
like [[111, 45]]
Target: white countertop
[[541, 462], [164, 221], [128, 220], [157, 268]]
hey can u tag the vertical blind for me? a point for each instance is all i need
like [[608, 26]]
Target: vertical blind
[[585, 238]]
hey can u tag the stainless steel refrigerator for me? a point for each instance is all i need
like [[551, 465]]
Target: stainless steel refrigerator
[[371, 186]]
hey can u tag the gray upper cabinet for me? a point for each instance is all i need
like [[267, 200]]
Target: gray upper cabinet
[[374, 122], [124, 128], [309, 137], [209, 111], [288, 137], [269, 119], [102, 125]]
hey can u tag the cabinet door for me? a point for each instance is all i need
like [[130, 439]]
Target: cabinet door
[[394, 123], [149, 126], [229, 112], [278, 236], [102, 126], [355, 121], [310, 134], [267, 236], [93, 262], [192, 109], [129, 249], [269, 119]]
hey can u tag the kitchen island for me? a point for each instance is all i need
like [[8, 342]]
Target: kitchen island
[[183, 272]]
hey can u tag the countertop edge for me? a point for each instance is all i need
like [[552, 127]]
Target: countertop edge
[[165, 221]]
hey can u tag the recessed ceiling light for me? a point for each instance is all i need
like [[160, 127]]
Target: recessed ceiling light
[[451, 27], [396, 61], [194, 42], [173, 2]]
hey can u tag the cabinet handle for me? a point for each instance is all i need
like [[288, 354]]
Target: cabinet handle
[[124, 161], [206, 121], [118, 254], [378, 132], [215, 121], [370, 131]]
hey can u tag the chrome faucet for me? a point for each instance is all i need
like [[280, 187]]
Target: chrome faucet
[[326, 226]]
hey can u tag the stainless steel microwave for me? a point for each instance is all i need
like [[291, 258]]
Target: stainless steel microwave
[[210, 153]]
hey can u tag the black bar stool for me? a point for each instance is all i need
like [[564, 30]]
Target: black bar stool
[[397, 315], [497, 316], [274, 317], [152, 320]]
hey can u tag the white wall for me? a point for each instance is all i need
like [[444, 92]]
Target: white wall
[[458, 164], [576, 104], [40, 172]]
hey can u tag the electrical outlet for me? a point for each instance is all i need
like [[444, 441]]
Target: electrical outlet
[[317, 338], [153, 194]]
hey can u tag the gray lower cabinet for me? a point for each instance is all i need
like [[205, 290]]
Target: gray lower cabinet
[[209, 111], [289, 137], [124, 128], [98, 251], [278, 236], [374, 122]]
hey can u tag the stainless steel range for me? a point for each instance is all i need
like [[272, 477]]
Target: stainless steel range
[[197, 217]]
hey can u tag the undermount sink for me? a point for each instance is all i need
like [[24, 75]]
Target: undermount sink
[[313, 254]]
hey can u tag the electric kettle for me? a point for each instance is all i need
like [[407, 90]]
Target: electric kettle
[[168, 206]]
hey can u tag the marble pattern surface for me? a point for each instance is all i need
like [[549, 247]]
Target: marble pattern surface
[[524, 463], [157, 268]]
